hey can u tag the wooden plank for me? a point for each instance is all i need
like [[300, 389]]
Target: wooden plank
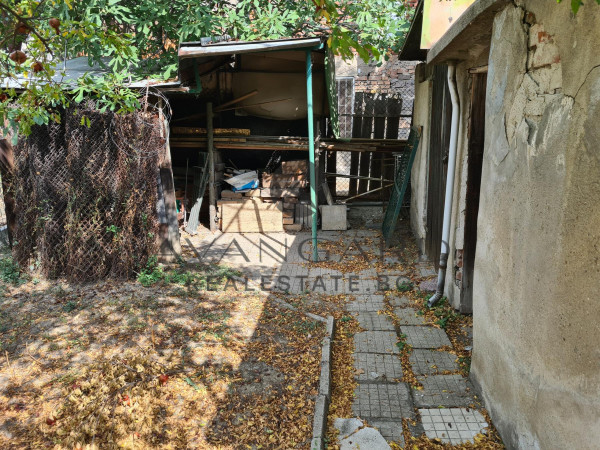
[[356, 133], [365, 165], [393, 110], [380, 103], [216, 131], [226, 193], [280, 192], [298, 167], [251, 216], [358, 111], [283, 180], [366, 129]]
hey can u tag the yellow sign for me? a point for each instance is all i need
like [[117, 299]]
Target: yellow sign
[[438, 16]]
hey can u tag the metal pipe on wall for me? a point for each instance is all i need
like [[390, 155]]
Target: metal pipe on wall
[[449, 188], [311, 152]]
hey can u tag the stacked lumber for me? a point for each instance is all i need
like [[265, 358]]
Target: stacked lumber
[[270, 208], [250, 215], [287, 187]]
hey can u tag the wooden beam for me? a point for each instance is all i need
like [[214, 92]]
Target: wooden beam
[[171, 247], [236, 100]]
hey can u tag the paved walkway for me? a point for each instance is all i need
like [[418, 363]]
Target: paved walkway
[[281, 262], [442, 409]]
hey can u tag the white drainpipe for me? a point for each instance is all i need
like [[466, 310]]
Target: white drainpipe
[[449, 188]]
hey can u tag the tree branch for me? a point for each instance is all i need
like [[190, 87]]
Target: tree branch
[[44, 41]]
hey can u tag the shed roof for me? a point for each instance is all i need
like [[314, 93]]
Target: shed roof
[[204, 50], [411, 49], [68, 72]]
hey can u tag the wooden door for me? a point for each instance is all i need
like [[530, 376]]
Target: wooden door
[[474, 165], [439, 142]]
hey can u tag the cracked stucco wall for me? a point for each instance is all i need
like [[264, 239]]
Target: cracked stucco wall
[[536, 313]]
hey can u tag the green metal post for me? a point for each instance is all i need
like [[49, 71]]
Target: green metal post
[[311, 152]]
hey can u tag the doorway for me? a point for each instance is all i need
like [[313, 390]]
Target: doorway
[[474, 166], [439, 142]]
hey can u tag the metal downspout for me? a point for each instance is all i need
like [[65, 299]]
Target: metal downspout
[[311, 153], [449, 188]]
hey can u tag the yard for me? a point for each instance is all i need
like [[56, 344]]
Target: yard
[[169, 365]]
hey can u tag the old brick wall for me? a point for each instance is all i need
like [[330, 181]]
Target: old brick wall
[[393, 76]]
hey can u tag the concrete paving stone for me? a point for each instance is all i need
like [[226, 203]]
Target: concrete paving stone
[[398, 300], [453, 425], [369, 297], [373, 321], [373, 367], [444, 390], [356, 306], [408, 316], [425, 337], [427, 271], [367, 438], [430, 362], [383, 342], [347, 426], [383, 401], [428, 285], [391, 430], [366, 303]]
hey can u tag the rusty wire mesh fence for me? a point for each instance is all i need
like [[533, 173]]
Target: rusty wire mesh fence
[[375, 115], [86, 196], [359, 175], [363, 117]]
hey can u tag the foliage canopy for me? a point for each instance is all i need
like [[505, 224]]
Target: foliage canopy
[[137, 39]]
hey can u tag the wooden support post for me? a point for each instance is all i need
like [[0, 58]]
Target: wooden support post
[[356, 133], [7, 166], [212, 196], [170, 248]]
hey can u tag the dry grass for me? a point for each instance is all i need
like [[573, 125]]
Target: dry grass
[[121, 365]]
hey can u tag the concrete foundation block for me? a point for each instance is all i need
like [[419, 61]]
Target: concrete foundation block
[[334, 217]]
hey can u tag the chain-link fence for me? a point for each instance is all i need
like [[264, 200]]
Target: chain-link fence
[[366, 116], [361, 175], [374, 115], [85, 193]]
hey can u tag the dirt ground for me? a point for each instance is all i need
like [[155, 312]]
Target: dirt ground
[[117, 364]]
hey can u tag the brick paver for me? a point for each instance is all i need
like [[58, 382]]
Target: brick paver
[[430, 362], [383, 401], [373, 367], [444, 390], [373, 321], [453, 425], [383, 342], [366, 303], [399, 300], [408, 316], [425, 337], [391, 430]]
